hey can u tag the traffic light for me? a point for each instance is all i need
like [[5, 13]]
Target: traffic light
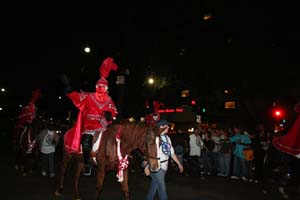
[[203, 110], [278, 113], [193, 102]]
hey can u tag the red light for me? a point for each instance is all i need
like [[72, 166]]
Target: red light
[[278, 113], [193, 102]]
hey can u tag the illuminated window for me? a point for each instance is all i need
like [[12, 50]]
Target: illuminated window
[[229, 105], [185, 93], [207, 16]]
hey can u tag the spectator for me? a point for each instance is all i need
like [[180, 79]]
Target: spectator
[[166, 151], [48, 139]]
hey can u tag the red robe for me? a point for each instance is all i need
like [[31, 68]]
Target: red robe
[[289, 143], [90, 118]]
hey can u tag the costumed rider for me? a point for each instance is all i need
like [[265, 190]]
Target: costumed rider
[[96, 112], [154, 117], [27, 115], [290, 142]]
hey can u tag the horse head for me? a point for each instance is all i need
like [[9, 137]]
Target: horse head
[[150, 148]]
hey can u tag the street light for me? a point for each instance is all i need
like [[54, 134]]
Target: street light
[[2, 89], [151, 81], [87, 50]]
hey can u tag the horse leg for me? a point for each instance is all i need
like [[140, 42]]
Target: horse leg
[[63, 166], [80, 165], [100, 178], [124, 185]]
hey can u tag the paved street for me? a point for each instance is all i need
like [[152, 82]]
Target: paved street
[[181, 187]]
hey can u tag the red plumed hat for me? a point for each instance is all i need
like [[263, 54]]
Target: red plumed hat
[[36, 94], [102, 81], [156, 106], [105, 68]]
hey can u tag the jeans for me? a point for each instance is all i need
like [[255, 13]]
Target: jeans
[[206, 162], [224, 164], [158, 184], [239, 166], [195, 166], [48, 162]]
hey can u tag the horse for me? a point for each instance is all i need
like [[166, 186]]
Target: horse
[[276, 172], [134, 136], [26, 145]]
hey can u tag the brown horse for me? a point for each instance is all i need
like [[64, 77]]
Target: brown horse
[[26, 145], [133, 136]]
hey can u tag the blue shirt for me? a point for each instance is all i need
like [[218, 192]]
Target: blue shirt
[[244, 139]]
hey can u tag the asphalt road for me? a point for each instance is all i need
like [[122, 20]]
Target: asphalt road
[[179, 186]]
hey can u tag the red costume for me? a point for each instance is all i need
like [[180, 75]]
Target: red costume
[[28, 113], [290, 143], [155, 116], [92, 108]]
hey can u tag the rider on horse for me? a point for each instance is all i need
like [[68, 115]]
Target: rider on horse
[[26, 116], [24, 121], [96, 111]]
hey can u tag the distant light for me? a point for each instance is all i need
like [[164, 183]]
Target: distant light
[[193, 102], [226, 91], [190, 130], [150, 81], [185, 93], [2, 89], [283, 121], [203, 110], [207, 16], [131, 119], [229, 105], [59, 97], [1, 108], [67, 119], [87, 50], [20, 105]]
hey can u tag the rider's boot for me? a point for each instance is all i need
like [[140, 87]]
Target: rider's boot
[[86, 143]]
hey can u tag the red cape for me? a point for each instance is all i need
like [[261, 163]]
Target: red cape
[[289, 143]]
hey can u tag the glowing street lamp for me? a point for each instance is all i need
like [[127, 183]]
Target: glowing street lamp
[[151, 81], [87, 49]]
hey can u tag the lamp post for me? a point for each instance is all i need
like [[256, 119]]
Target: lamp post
[[150, 83]]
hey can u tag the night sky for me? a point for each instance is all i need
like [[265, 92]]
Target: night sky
[[248, 45]]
